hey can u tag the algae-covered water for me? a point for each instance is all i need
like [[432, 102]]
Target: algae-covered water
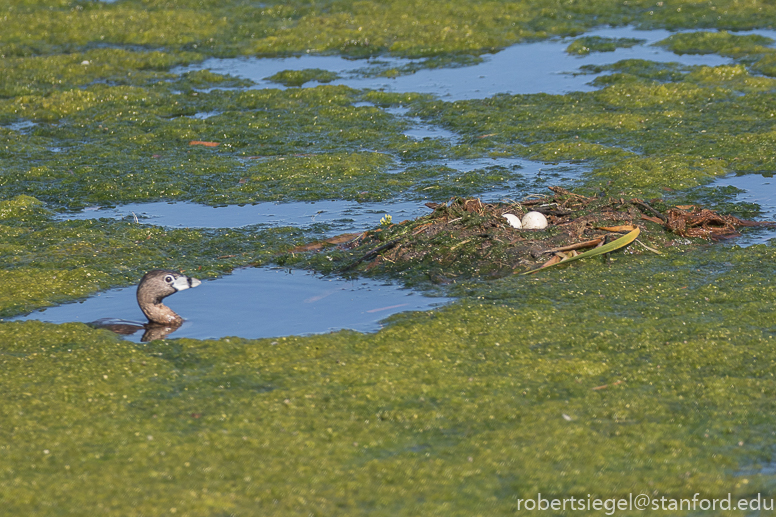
[[641, 374], [254, 303]]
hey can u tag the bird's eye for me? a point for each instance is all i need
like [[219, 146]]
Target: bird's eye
[[169, 279]]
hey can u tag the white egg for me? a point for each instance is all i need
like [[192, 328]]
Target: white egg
[[514, 221], [534, 221]]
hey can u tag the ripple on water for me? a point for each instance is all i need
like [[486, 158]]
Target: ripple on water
[[256, 303]]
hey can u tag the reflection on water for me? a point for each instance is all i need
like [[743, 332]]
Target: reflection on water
[[524, 68], [256, 303]]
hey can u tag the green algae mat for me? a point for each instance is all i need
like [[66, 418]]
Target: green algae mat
[[603, 380]]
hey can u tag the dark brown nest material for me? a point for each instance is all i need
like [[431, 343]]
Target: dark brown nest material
[[691, 221], [468, 231]]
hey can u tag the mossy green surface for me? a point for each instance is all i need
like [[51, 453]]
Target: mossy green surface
[[46, 261], [385, 68], [402, 27], [112, 144], [510, 392], [751, 49], [300, 77], [642, 133], [460, 411], [587, 44]]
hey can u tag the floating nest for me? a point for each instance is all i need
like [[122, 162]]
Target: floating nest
[[470, 238]]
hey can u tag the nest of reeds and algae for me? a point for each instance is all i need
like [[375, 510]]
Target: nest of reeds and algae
[[468, 238]]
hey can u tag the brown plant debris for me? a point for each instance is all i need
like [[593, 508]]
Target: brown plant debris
[[691, 221]]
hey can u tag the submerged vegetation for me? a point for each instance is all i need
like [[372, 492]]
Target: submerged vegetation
[[645, 374], [588, 44], [300, 77]]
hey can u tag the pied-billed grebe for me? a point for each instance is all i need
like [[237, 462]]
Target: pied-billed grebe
[[157, 285], [153, 288]]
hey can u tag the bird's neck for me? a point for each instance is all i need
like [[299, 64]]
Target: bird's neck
[[157, 312]]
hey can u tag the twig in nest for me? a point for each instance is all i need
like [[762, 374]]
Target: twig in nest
[[549, 211], [563, 192], [372, 253], [422, 227], [579, 245], [650, 209], [653, 219]]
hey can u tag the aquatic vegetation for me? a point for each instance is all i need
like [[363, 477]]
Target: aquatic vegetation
[[402, 27], [455, 402], [647, 373], [631, 70], [139, 149], [47, 262], [124, 144], [42, 75], [722, 42], [207, 79], [642, 135], [455, 60], [588, 44], [751, 49], [327, 176], [300, 77]]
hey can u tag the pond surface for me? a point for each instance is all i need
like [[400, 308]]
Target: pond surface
[[462, 408], [261, 302], [525, 68], [257, 303], [341, 216]]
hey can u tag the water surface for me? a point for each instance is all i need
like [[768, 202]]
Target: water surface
[[341, 216], [524, 68], [257, 303]]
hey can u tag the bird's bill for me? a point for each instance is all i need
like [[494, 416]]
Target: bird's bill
[[184, 282]]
